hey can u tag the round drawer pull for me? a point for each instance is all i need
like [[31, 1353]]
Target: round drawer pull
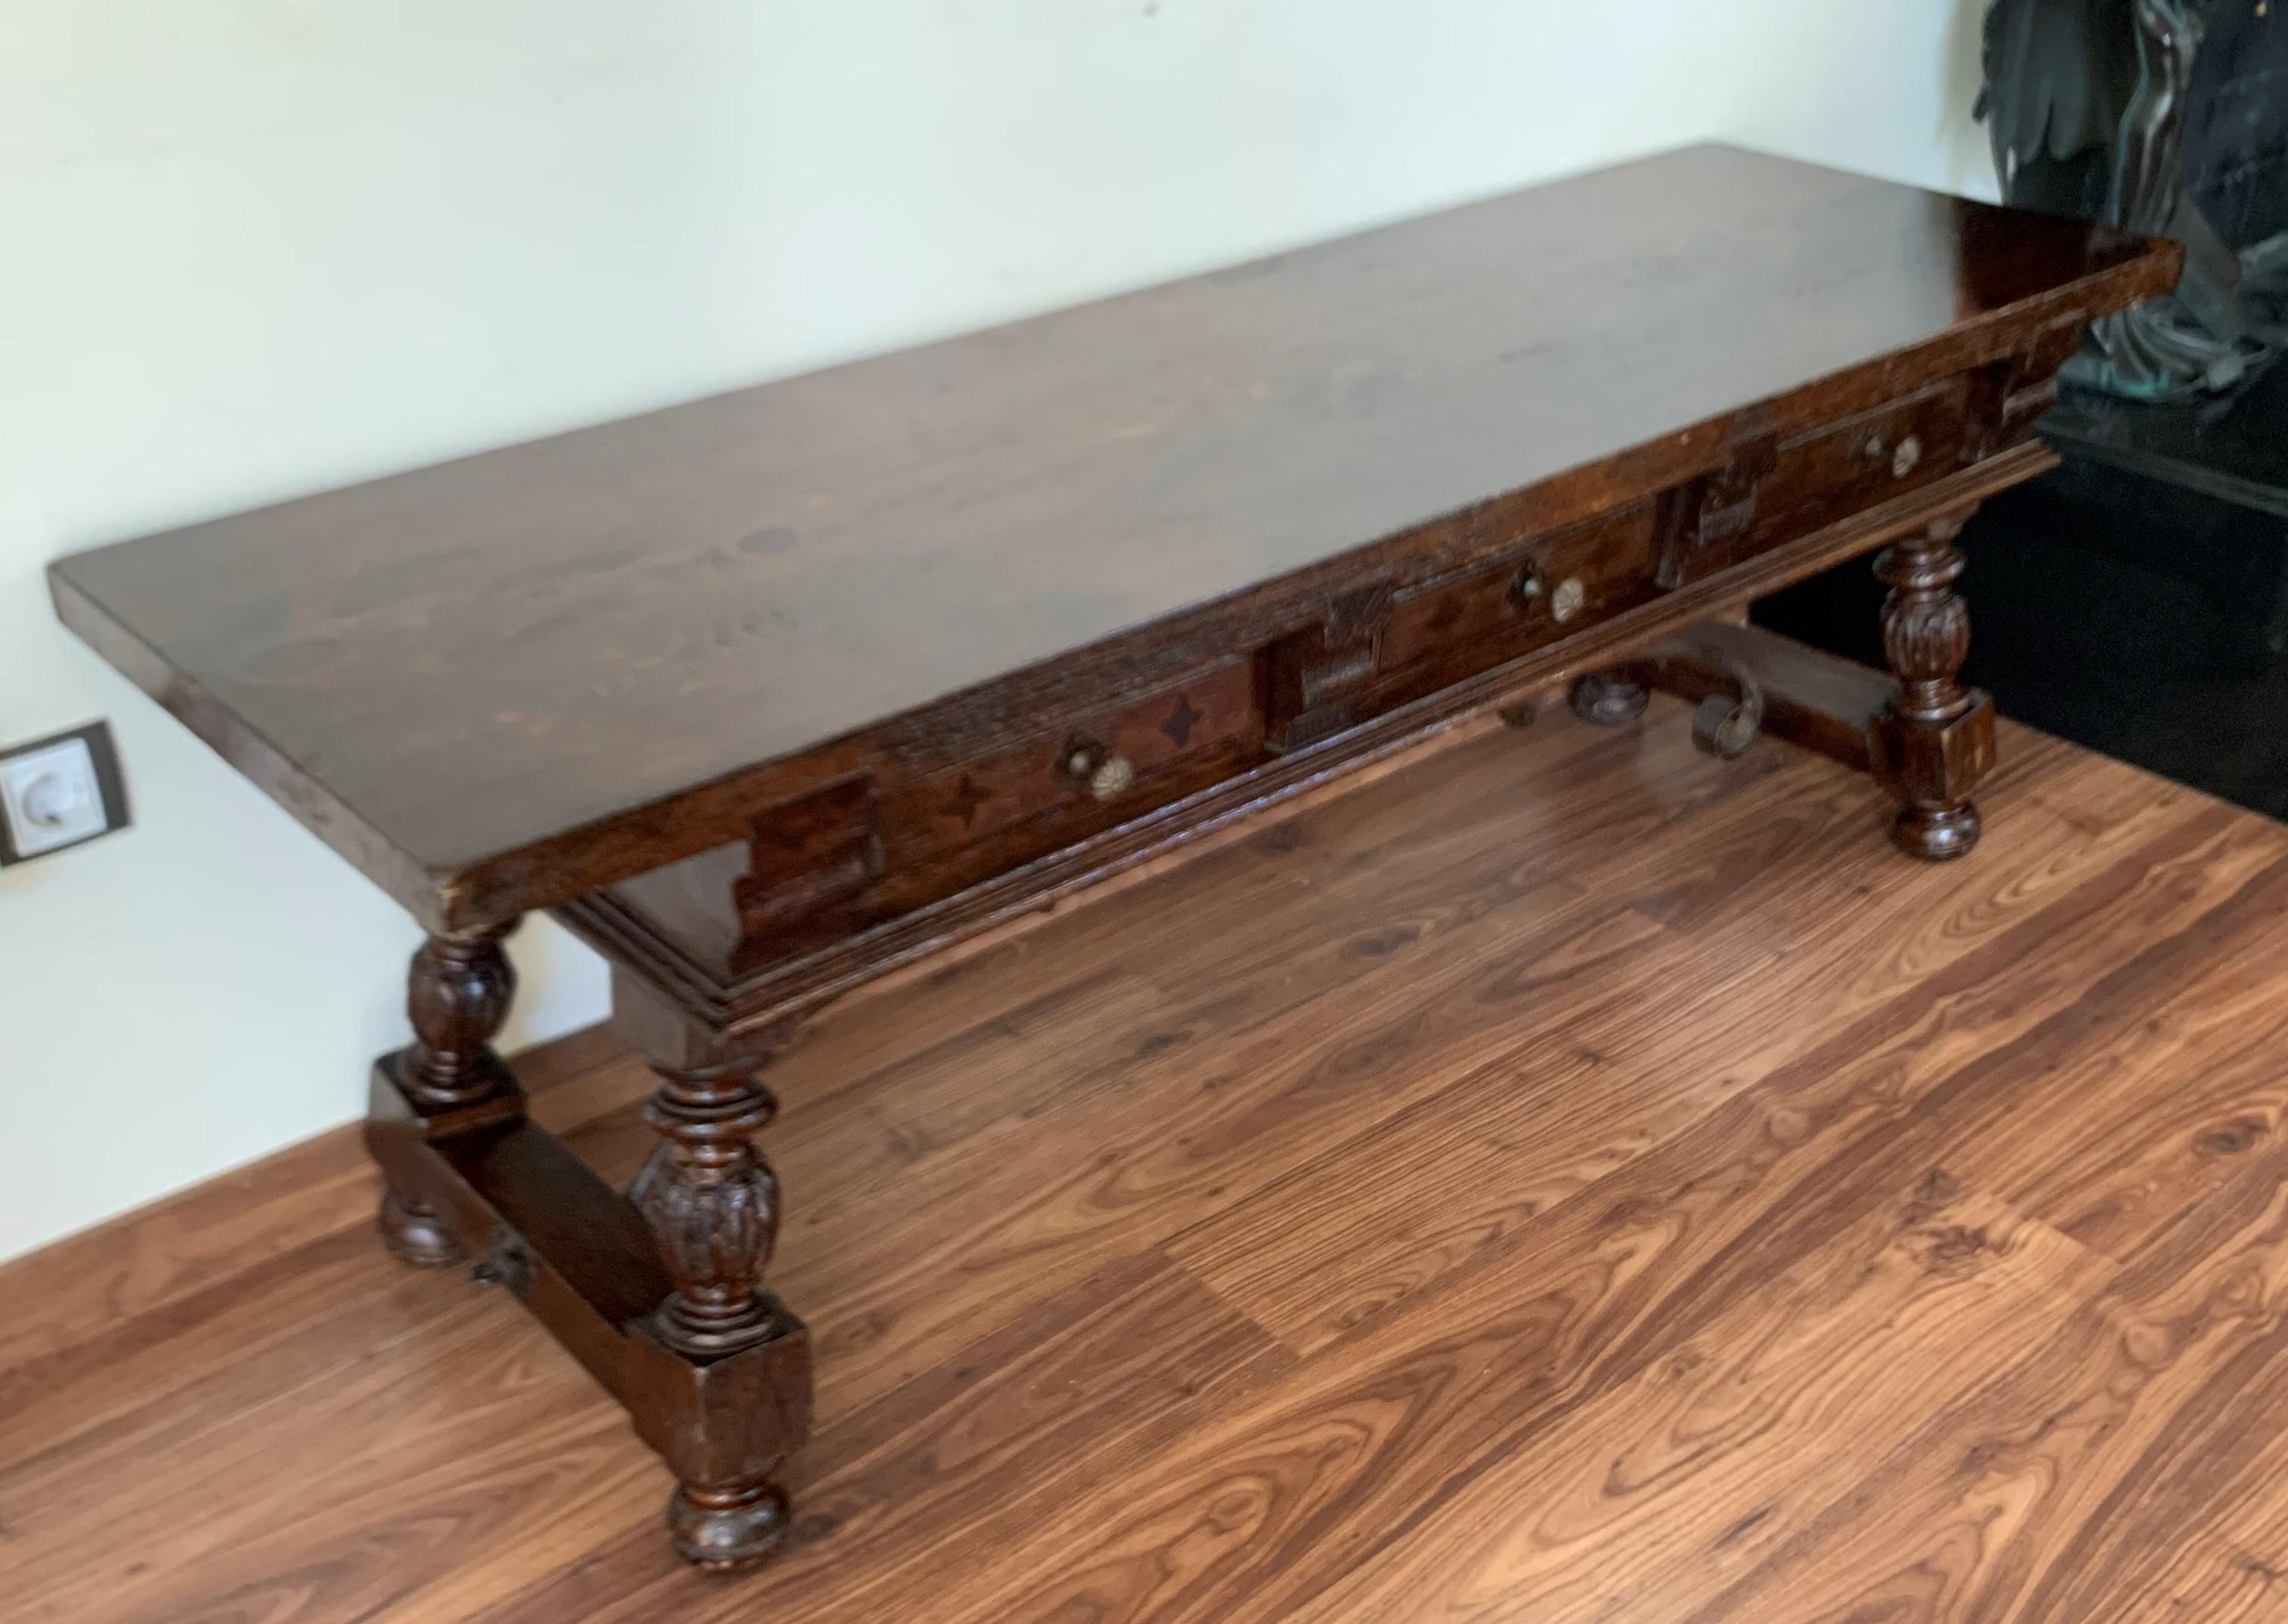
[[1103, 772], [1564, 603], [1909, 453], [1113, 775]]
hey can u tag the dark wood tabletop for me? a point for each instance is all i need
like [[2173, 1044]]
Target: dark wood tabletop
[[459, 666]]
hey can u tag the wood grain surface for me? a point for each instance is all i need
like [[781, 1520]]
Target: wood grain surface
[[1565, 1178], [590, 654]]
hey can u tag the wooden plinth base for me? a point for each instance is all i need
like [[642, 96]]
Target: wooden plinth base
[[481, 1180]]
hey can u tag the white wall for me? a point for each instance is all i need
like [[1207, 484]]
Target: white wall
[[255, 247]]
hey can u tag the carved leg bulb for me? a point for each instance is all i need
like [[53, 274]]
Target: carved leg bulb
[[712, 1204], [1934, 740], [457, 993]]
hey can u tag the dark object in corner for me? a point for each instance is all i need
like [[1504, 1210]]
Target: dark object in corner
[[2163, 117]]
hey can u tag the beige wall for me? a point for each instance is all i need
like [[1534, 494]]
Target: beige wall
[[254, 247]]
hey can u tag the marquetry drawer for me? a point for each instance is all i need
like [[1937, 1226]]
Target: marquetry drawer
[[1552, 587], [1814, 480], [1435, 633], [1090, 772]]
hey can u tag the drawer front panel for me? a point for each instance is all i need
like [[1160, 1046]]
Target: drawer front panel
[[1867, 460], [1439, 632], [963, 822], [1444, 630], [1808, 484]]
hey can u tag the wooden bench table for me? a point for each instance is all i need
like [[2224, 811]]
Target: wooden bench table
[[767, 694]]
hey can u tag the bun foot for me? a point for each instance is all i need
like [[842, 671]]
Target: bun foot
[[722, 1529], [1609, 701], [1935, 833], [415, 1234]]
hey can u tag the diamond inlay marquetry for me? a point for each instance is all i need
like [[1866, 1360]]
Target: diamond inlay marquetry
[[965, 800], [1181, 721]]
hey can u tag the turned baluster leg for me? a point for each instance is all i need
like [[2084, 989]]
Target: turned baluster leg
[[712, 1203], [1934, 740], [1608, 698], [457, 994]]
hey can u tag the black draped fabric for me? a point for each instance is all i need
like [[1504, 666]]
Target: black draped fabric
[[2237, 134], [2061, 73], [2058, 75]]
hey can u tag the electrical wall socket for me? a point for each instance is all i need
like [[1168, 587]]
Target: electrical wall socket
[[59, 791]]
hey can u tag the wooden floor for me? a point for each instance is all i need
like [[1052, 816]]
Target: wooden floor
[[1566, 1179]]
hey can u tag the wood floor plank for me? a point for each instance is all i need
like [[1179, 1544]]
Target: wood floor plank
[[938, 1476], [1088, 1187], [2233, 1569], [1569, 1176], [1622, 1065], [2160, 1119], [2066, 1484], [1616, 1278], [471, 1434], [99, 1280], [1644, 1499]]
